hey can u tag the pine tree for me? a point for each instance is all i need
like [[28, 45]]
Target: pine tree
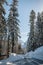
[[39, 30], [2, 22], [13, 23], [31, 34]]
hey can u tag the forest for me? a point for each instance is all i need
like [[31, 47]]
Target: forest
[[10, 30]]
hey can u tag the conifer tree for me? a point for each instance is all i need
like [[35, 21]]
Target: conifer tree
[[39, 28], [41, 35], [13, 23], [31, 34], [37, 31], [2, 22]]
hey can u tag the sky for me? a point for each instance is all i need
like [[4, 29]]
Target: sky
[[24, 9]]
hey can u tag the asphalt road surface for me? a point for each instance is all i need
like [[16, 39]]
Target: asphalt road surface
[[25, 61]]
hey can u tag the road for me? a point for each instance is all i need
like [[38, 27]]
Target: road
[[25, 61]]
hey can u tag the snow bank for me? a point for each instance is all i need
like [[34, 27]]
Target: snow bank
[[13, 57], [38, 54], [29, 54]]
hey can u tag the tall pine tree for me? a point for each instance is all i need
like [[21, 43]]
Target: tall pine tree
[[41, 35], [39, 28], [2, 23], [13, 23], [31, 34]]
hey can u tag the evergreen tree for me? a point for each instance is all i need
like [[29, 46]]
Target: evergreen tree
[[31, 34], [13, 23], [39, 27], [2, 22], [41, 31]]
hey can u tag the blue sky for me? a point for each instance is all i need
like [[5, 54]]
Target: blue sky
[[24, 8]]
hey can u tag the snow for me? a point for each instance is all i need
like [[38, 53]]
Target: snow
[[9, 63], [29, 54], [38, 54], [12, 58]]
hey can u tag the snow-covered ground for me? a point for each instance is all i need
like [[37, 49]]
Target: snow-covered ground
[[38, 54], [12, 58], [29, 54]]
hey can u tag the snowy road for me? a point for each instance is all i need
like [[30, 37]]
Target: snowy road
[[25, 62], [30, 58]]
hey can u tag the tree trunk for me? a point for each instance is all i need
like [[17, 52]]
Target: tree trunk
[[0, 46], [12, 42], [8, 48]]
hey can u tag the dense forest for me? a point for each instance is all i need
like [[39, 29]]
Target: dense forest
[[35, 38], [10, 30]]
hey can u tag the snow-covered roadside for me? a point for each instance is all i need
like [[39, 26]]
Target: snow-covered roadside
[[38, 54], [13, 57], [29, 54]]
